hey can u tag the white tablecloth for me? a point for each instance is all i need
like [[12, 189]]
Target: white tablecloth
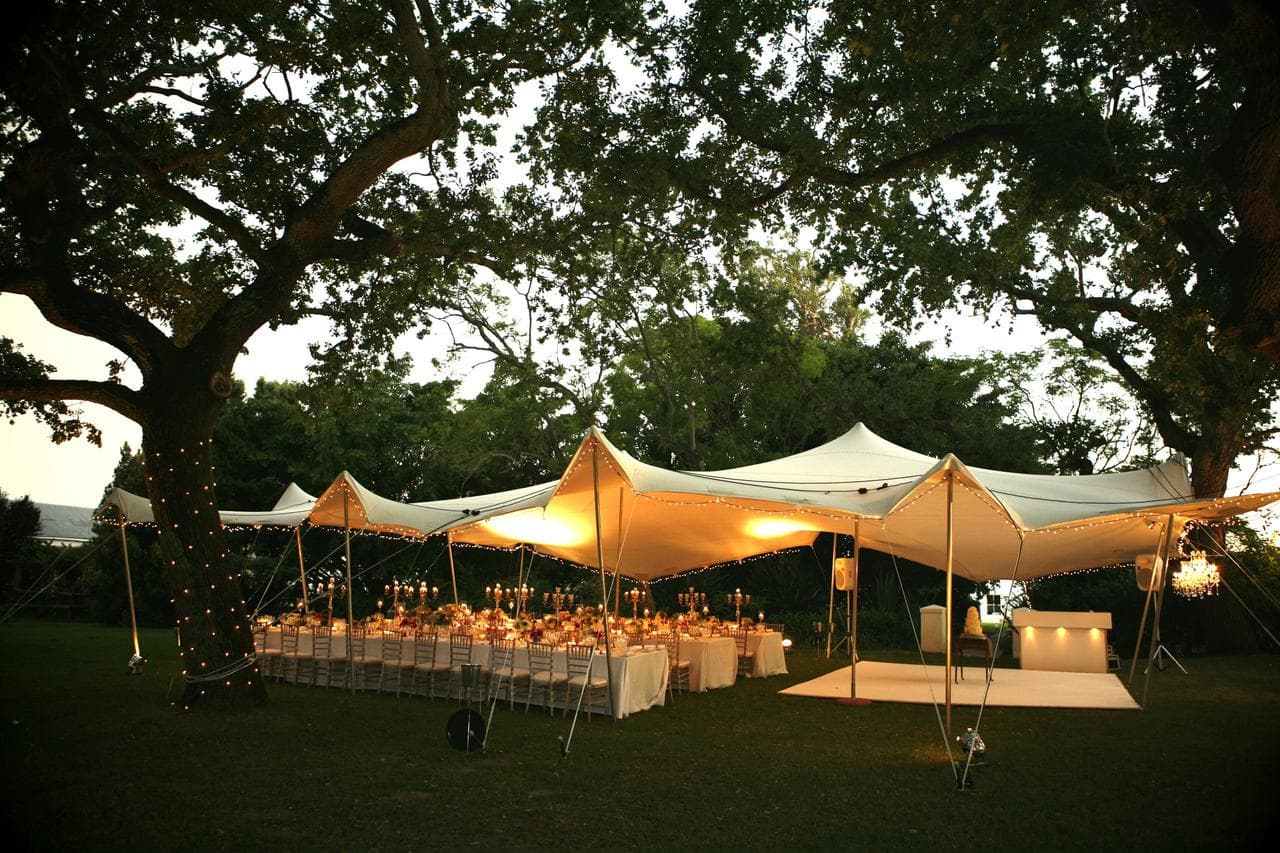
[[770, 659], [713, 662], [639, 675]]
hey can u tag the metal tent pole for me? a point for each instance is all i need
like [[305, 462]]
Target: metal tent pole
[[302, 569], [1162, 559], [453, 575], [853, 619], [604, 587], [351, 589], [950, 571], [128, 583], [831, 600]]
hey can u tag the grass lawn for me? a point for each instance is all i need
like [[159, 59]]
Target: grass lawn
[[95, 759]]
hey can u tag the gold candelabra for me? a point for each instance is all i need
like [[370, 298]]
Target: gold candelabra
[[425, 592], [330, 589], [522, 594], [496, 593], [692, 600], [557, 600], [635, 596], [737, 599]]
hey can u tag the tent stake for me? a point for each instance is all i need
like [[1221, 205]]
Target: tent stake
[[128, 583], [604, 587], [351, 590]]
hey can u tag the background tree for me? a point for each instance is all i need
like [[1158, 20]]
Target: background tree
[[19, 524], [1109, 168]]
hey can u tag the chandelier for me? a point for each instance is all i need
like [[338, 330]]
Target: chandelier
[[1196, 577]]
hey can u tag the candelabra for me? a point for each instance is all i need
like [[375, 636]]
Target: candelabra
[[692, 600], [522, 594], [425, 592], [557, 600], [330, 589], [495, 594], [394, 589], [634, 596], [737, 599]]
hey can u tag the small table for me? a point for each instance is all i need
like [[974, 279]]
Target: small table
[[965, 642]]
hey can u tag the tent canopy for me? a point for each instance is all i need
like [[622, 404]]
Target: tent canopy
[[655, 522]]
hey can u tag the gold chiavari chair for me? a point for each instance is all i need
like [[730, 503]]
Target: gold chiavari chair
[[389, 660], [746, 660], [543, 676], [288, 653], [578, 664], [502, 673], [424, 662], [459, 655]]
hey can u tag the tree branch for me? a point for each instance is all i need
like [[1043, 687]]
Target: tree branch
[[115, 396]]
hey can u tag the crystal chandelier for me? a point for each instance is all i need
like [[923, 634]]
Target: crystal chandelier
[[1196, 577]]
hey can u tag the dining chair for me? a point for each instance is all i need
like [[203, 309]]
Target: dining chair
[[424, 663], [459, 656], [349, 671], [288, 653], [318, 661], [579, 658], [502, 673], [678, 669], [268, 659], [746, 659], [389, 662], [543, 676]]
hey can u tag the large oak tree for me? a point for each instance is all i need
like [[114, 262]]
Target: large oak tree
[[177, 176]]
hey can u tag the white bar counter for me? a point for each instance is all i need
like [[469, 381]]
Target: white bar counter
[[1062, 641]]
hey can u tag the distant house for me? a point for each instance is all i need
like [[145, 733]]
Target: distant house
[[64, 525]]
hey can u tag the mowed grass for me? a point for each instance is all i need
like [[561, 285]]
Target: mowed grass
[[95, 759]]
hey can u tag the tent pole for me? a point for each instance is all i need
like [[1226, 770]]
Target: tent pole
[[853, 619], [831, 600], [1155, 624], [950, 572], [302, 569], [351, 589], [1162, 556], [453, 575], [520, 583], [604, 587], [128, 584], [617, 564]]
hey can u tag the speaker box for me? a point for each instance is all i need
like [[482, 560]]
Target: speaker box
[[1146, 570], [846, 570]]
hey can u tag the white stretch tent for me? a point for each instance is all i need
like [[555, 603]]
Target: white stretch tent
[[657, 522]]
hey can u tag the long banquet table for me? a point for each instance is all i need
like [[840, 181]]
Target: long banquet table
[[639, 674]]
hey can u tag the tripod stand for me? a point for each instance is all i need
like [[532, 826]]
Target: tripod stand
[[1158, 659]]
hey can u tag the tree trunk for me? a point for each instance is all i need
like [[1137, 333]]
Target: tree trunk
[[214, 631], [1225, 626]]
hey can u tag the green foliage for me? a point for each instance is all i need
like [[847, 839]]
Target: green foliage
[[19, 523]]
